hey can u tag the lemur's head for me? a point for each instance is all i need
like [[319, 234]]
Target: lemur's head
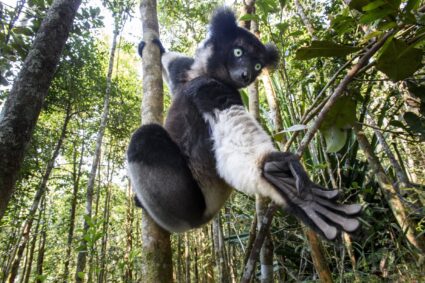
[[231, 53]]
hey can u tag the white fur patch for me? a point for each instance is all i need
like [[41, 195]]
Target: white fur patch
[[199, 68], [166, 59], [240, 144]]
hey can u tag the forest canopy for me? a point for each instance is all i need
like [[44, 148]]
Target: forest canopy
[[348, 95]]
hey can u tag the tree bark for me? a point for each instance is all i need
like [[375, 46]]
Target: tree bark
[[76, 175], [23, 106], [128, 276], [82, 255], [221, 263], [157, 261], [187, 257], [305, 20], [106, 214], [42, 244], [32, 250]]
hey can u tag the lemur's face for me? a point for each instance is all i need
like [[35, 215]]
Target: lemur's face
[[232, 54], [243, 65]]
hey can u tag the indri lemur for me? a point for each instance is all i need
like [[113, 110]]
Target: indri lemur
[[183, 174]]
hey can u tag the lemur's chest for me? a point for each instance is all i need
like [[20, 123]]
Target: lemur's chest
[[188, 129]]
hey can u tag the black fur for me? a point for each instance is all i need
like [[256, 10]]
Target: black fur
[[177, 71], [172, 189], [156, 41], [224, 37], [183, 150], [174, 169]]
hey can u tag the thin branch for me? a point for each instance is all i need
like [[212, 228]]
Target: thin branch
[[339, 91]]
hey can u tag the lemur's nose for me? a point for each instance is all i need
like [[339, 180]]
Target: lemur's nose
[[245, 76]]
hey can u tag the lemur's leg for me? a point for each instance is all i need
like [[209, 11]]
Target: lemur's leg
[[162, 180]]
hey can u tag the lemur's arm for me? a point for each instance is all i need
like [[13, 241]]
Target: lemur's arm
[[174, 66], [248, 161]]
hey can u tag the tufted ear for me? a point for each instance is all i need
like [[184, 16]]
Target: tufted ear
[[223, 22], [272, 55]]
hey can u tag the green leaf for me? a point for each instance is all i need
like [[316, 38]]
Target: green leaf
[[411, 4], [41, 277], [422, 108], [23, 30], [282, 27], [370, 35], [80, 275], [416, 90], [295, 128], [89, 220], [373, 5], [416, 124], [245, 98], [335, 138], [324, 49], [399, 61], [396, 123], [343, 24], [341, 115], [279, 136], [358, 4], [248, 17], [376, 15]]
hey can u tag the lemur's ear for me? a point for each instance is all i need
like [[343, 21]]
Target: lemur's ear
[[272, 55], [223, 22]]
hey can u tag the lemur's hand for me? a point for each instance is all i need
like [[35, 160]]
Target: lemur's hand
[[159, 44], [311, 203], [155, 41]]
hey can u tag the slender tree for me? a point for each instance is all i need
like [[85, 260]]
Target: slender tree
[[22, 108], [120, 12], [157, 262]]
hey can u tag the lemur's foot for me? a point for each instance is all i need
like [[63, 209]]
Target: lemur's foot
[[155, 41], [140, 48]]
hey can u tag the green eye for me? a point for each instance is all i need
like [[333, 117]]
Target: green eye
[[237, 52], [257, 67]]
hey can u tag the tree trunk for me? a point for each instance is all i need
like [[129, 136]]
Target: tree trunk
[[42, 244], [266, 252], [82, 255], [26, 227], [223, 275], [305, 20], [32, 250], [23, 106], [187, 257], [76, 175], [179, 258], [103, 256], [157, 261], [266, 255], [128, 276]]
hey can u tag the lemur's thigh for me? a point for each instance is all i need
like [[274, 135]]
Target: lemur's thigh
[[163, 181]]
